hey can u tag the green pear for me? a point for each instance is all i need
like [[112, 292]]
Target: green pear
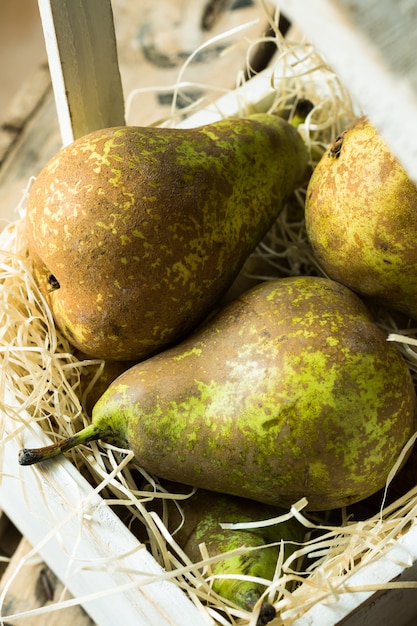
[[205, 511], [135, 233], [290, 391], [361, 219]]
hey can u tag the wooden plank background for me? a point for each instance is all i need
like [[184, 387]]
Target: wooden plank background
[[33, 585]]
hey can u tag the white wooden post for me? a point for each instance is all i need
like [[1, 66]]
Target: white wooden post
[[81, 46]]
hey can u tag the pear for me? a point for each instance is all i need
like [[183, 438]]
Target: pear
[[361, 219], [205, 511], [135, 233], [290, 391]]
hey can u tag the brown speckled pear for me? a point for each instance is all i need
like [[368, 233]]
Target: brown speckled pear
[[292, 390], [136, 233], [361, 218]]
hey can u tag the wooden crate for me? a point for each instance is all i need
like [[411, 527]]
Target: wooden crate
[[89, 527]]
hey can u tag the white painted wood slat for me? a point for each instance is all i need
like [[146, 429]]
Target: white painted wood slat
[[79, 537], [371, 46], [82, 55]]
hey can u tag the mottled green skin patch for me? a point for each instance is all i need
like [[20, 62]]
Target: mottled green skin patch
[[154, 224], [291, 391], [205, 511], [261, 563], [361, 216]]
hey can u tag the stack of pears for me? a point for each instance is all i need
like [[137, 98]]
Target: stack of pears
[[291, 390]]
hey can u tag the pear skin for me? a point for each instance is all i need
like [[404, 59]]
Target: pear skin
[[205, 511], [136, 233], [361, 219], [291, 391]]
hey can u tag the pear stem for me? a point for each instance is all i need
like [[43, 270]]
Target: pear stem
[[302, 109], [266, 614], [29, 456]]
